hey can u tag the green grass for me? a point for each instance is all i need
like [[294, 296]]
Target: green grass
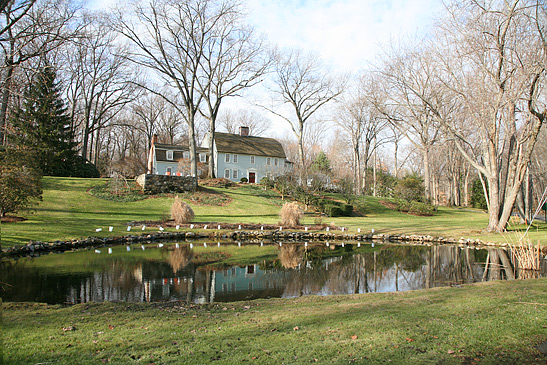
[[68, 211], [496, 322]]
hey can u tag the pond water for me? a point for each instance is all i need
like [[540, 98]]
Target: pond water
[[201, 272]]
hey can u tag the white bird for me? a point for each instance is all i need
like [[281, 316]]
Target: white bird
[[160, 245], [98, 229], [142, 246], [177, 245], [204, 244], [191, 245], [128, 248], [177, 227], [110, 228], [97, 251], [143, 227], [128, 228], [161, 229], [109, 250]]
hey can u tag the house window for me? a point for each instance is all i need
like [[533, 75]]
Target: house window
[[252, 160], [168, 171], [170, 155], [202, 157], [227, 157], [234, 174], [275, 162], [235, 159], [226, 174], [268, 161], [186, 155]]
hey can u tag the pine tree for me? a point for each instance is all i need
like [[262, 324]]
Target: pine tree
[[321, 163], [43, 125]]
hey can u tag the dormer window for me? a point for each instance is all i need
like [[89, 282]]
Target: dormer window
[[170, 155]]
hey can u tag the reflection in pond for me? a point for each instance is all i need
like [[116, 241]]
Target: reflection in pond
[[202, 275]]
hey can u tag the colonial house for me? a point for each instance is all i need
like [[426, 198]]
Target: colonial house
[[240, 155], [169, 159], [236, 156]]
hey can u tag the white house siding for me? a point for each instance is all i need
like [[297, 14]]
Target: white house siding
[[244, 166]]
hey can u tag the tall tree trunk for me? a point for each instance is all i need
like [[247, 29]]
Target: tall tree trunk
[[6, 91], [427, 181]]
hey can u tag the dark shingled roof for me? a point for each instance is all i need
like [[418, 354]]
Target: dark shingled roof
[[248, 145], [161, 151]]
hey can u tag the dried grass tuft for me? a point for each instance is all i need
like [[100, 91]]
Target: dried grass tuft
[[291, 213], [181, 212]]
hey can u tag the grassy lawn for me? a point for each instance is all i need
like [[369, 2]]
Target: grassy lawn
[[68, 211], [496, 322]]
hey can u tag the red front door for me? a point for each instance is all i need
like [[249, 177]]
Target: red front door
[[252, 177]]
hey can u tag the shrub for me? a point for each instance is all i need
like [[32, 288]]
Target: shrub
[[410, 188], [347, 210], [291, 213], [332, 210], [420, 208], [267, 182], [403, 205], [20, 180], [414, 207], [181, 212], [244, 180]]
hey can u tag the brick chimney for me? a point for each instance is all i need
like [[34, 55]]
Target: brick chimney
[[243, 131]]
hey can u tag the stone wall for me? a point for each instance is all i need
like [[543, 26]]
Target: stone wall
[[158, 184]]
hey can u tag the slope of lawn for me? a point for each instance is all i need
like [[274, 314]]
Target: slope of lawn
[[491, 323], [68, 211]]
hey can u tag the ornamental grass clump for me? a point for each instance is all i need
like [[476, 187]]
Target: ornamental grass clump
[[291, 213], [181, 212]]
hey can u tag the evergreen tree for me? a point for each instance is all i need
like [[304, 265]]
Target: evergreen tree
[[43, 125], [321, 163]]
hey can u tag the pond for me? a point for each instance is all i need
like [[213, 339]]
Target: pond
[[201, 272]]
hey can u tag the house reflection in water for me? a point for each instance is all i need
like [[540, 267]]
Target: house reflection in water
[[177, 277]]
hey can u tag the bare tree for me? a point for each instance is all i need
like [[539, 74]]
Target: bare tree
[[16, 10], [362, 123], [172, 39], [303, 84], [234, 59], [102, 81], [231, 120], [408, 80], [490, 63]]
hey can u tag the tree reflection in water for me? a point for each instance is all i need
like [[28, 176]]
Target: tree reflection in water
[[176, 273]]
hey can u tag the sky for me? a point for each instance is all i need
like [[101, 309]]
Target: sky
[[347, 34]]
